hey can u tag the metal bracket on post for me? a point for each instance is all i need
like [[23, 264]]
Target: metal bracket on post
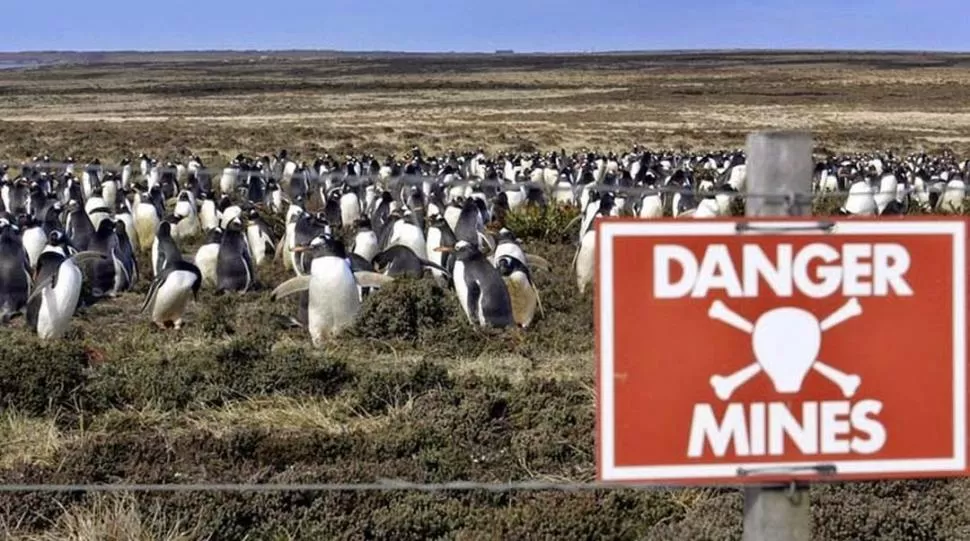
[[779, 171]]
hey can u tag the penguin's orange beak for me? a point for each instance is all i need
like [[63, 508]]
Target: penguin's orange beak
[[444, 249], [300, 249]]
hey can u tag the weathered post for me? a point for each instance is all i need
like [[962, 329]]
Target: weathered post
[[778, 162]]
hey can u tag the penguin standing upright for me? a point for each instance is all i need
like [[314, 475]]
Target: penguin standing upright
[[55, 297], [147, 218], [259, 237], [365, 240], [481, 291], [208, 213], [522, 291], [108, 275], [170, 292], [334, 298], [208, 255], [188, 225], [126, 254], [440, 235], [78, 226], [15, 276], [234, 263], [164, 250]]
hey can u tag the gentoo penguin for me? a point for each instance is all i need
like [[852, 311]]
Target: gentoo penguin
[[208, 254], [349, 206], [164, 250], [400, 260], [334, 299], [146, 218], [234, 263], [405, 232], [208, 214], [860, 201], [259, 237], [104, 272], [57, 292], [78, 226], [284, 250], [170, 292], [507, 244], [470, 226], [440, 235], [97, 208], [365, 240], [34, 239], [481, 291], [522, 291], [126, 253], [15, 276], [123, 215], [188, 225]]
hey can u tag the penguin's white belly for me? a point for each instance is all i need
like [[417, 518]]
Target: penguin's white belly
[[461, 289], [349, 209], [34, 242], [109, 192], [365, 245], [146, 221], [186, 227], [205, 259], [155, 261], [652, 207], [409, 235], [173, 296], [257, 245], [434, 241], [207, 215], [585, 260], [334, 298], [516, 198], [451, 217], [58, 303], [523, 297], [227, 183]]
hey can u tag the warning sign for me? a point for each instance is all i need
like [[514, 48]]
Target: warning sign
[[730, 354]]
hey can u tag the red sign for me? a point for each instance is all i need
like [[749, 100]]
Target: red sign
[[734, 354]]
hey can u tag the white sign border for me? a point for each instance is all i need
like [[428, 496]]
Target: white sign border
[[607, 437]]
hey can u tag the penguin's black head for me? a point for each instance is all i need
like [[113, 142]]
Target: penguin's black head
[[505, 235], [183, 196], [462, 250], [164, 228], [235, 224], [323, 245], [58, 238], [120, 228], [363, 223], [437, 220], [507, 265], [105, 228]]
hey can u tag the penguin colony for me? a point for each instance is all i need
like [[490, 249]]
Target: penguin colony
[[69, 234]]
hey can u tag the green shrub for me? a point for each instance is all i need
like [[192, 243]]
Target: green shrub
[[37, 376], [550, 224]]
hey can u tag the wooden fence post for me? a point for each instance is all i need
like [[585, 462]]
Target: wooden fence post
[[778, 162]]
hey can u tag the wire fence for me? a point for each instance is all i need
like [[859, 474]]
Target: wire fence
[[904, 188]]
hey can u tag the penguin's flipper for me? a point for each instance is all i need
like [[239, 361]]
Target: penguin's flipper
[[153, 290], [293, 285], [539, 262], [474, 294], [433, 265], [535, 290], [486, 243], [372, 279]]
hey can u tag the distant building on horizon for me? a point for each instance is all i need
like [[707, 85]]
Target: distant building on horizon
[[504, 51]]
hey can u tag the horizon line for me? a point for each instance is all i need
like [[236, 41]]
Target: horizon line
[[494, 52]]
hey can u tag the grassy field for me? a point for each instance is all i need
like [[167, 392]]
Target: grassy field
[[413, 393]]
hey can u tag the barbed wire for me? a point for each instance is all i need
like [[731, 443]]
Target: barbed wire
[[500, 184], [382, 485]]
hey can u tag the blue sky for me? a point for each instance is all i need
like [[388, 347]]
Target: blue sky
[[485, 25]]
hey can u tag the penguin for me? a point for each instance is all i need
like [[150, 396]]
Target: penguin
[[15, 275], [400, 260], [55, 297], [405, 232], [522, 291], [365, 240], [207, 256], [123, 215], [470, 226], [34, 239], [332, 287], [147, 218], [481, 291], [284, 250], [507, 244], [349, 206], [78, 226], [170, 292], [97, 209], [188, 225], [234, 263], [306, 228], [126, 254], [440, 235], [259, 237], [164, 250], [208, 214], [105, 279]]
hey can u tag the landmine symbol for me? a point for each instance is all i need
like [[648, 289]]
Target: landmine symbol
[[786, 342]]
